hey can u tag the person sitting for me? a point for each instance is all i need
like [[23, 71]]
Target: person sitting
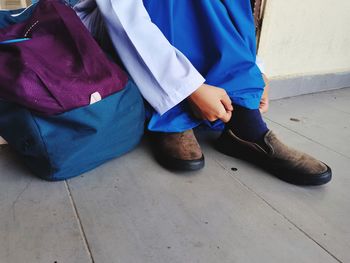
[[195, 64]]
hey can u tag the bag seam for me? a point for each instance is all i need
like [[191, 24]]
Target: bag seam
[[43, 141]]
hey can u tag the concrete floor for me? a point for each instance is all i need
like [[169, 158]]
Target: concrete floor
[[130, 210]]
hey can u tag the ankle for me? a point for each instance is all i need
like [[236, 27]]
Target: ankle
[[248, 124]]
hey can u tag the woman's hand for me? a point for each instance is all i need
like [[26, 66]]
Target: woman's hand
[[264, 102], [211, 103]]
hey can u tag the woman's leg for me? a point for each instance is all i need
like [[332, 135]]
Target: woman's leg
[[218, 37]]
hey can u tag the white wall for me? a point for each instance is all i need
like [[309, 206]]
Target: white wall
[[305, 37]]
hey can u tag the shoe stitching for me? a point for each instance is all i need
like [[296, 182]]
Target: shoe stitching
[[249, 144], [267, 135]]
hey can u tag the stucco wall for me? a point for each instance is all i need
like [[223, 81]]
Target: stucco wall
[[305, 37]]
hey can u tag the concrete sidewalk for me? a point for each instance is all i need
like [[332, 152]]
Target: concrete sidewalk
[[130, 210]]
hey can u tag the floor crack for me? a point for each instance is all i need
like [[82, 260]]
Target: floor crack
[[279, 212], [81, 228], [17, 199]]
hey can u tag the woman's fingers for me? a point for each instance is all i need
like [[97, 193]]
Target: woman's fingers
[[264, 102], [226, 101], [226, 117], [211, 103]]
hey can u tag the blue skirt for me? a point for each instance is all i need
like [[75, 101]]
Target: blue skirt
[[218, 37]]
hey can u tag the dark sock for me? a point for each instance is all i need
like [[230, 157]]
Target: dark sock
[[247, 124]]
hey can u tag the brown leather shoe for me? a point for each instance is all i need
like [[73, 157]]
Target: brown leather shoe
[[178, 151], [282, 161]]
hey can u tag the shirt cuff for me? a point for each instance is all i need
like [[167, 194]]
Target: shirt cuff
[[176, 97]]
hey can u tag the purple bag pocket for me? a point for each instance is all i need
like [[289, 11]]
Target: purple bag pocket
[[59, 65]]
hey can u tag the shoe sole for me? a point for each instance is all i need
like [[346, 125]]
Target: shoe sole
[[181, 165], [306, 179]]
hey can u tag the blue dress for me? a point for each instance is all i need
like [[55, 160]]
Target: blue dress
[[218, 37]]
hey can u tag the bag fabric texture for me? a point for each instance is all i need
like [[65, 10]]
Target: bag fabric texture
[[61, 146], [57, 65]]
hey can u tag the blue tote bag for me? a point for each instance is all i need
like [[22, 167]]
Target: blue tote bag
[[64, 145]]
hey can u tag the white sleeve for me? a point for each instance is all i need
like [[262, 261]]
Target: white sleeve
[[261, 65], [163, 74]]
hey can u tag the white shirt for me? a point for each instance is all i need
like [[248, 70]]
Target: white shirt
[[163, 74]]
